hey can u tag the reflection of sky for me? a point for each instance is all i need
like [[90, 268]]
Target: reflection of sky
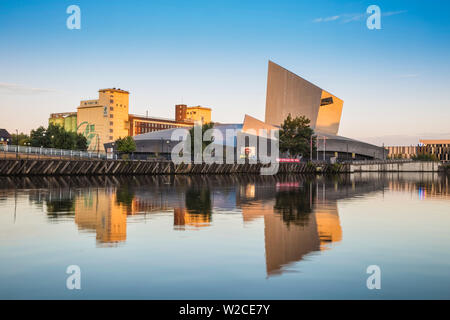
[[398, 229]]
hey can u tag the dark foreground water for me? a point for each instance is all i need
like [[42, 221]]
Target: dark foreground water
[[226, 237]]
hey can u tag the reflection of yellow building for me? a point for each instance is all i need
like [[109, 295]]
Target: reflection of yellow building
[[183, 218], [99, 211], [105, 119]]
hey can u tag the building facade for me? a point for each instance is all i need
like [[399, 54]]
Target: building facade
[[142, 124], [192, 114], [66, 120], [288, 93], [5, 137], [439, 148], [105, 119]]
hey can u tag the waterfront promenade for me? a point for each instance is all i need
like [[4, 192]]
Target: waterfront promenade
[[72, 167]]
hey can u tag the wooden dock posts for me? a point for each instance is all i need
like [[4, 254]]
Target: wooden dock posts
[[71, 167]]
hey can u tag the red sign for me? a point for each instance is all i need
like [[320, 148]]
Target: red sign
[[287, 160]]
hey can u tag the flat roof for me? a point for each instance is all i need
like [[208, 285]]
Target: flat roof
[[151, 118], [114, 90], [199, 107], [439, 141]]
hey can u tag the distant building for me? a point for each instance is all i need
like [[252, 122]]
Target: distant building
[[105, 119], [197, 113], [66, 120], [5, 137], [143, 124], [287, 93], [438, 148]]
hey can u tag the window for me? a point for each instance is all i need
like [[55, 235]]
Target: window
[[111, 130], [111, 101], [111, 116], [111, 138], [326, 101], [111, 123], [111, 108]]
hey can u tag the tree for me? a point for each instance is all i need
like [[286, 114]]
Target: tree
[[194, 138], [23, 139], [81, 142], [295, 136], [126, 145], [56, 137], [39, 138]]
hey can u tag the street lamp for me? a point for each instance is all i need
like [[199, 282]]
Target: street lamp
[[17, 147], [167, 142]]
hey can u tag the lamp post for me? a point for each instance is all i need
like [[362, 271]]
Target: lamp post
[[17, 145], [167, 142]]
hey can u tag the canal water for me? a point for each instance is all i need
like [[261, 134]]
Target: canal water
[[226, 237]]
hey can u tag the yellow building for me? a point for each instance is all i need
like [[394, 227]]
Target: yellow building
[[66, 120], [193, 114], [105, 119]]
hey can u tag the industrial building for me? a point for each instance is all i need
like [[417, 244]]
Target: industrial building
[[287, 93], [439, 148], [106, 119], [67, 120]]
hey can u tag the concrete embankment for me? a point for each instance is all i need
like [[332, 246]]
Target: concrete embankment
[[71, 167], [24, 167], [395, 166]]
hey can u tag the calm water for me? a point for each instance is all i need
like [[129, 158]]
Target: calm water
[[291, 237]]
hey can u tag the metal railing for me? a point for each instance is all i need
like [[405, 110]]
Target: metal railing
[[52, 152]]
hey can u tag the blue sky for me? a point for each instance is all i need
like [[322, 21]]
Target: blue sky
[[393, 81]]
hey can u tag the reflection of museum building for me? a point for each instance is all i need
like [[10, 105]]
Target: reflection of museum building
[[289, 241]]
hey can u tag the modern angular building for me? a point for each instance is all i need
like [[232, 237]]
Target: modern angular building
[[287, 93]]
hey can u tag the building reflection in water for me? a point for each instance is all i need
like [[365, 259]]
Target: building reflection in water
[[296, 223], [300, 214], [100, 211]]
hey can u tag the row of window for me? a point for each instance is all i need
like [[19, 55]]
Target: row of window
[[144, 127]]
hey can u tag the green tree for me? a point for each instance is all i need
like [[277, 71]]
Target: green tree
[[56, 137], [194, 138], [126, 145], [295, 136], [23, 139], [81, 142], [39, 138]]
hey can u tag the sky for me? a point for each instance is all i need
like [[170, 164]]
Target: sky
[[394, 81]]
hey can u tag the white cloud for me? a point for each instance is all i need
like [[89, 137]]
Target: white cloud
[[12, 88], [350, 17]]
